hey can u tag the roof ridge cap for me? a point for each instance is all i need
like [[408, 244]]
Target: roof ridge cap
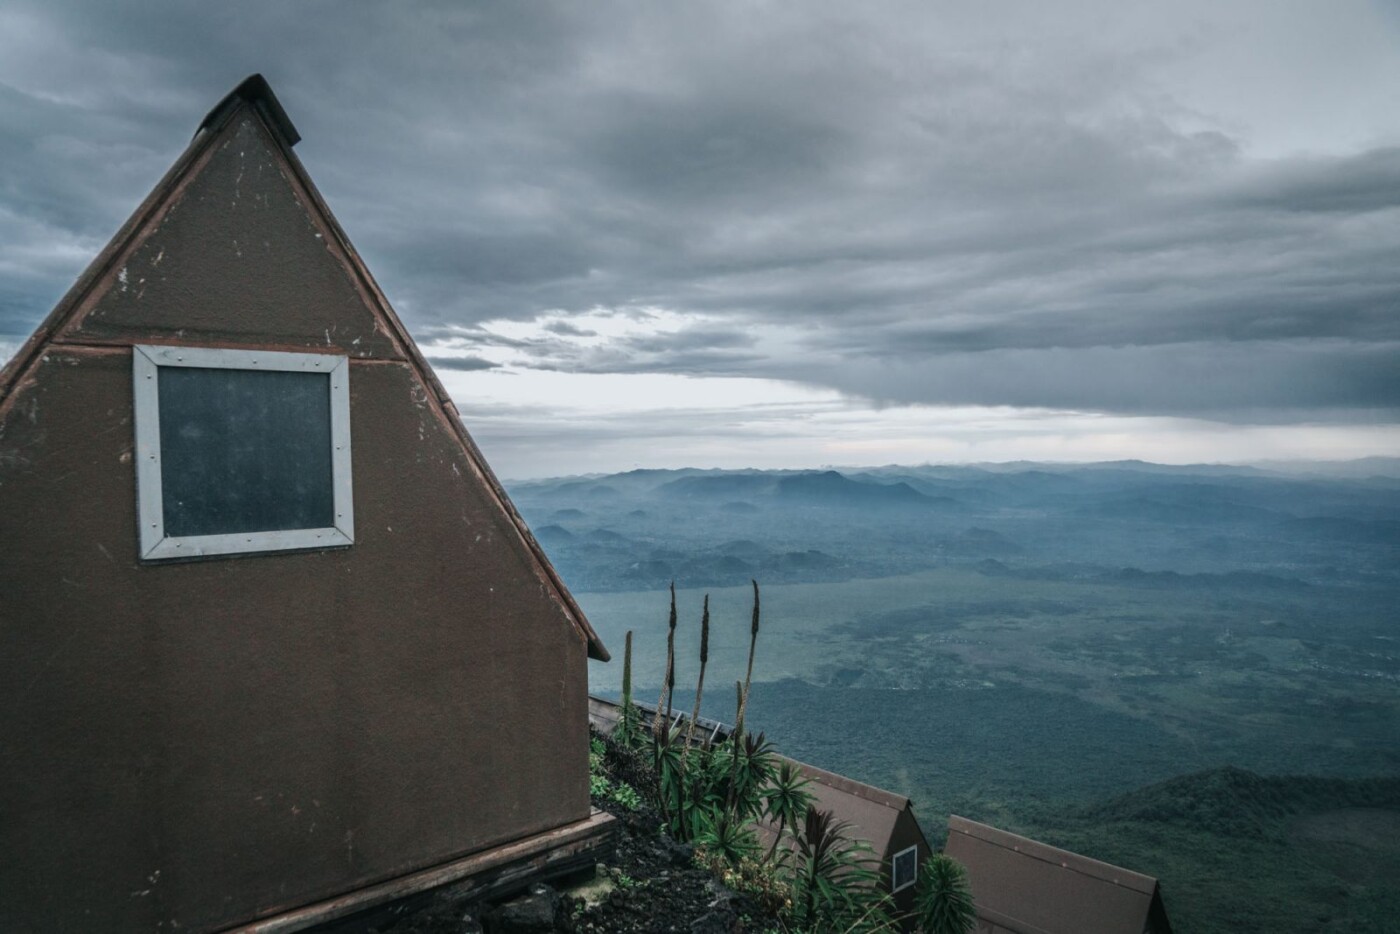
[[1045, 853], [871, 793], [258, 94]]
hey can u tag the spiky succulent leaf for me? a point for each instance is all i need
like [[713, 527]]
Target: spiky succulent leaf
[[943, 900]]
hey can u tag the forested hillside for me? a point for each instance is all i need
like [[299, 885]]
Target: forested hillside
[[1192, 672]]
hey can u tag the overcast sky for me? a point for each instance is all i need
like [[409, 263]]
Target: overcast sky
[[795, 234]]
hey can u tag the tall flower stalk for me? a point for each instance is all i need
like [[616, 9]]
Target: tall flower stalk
[[662, 749], [668, 684], [627, 727], [748, 674], [700, 682]]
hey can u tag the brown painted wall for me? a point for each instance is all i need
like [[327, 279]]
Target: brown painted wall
[[205, 742], [906, 833], [237, 258]]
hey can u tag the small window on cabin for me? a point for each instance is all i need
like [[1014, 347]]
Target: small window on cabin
[[904, 869], [241, 451]]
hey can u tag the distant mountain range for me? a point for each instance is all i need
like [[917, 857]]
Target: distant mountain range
[[824, 488], [642, 528]]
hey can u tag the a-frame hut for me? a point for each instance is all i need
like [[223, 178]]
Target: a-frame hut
[[1023, 886], [276, 643], [882, 819]]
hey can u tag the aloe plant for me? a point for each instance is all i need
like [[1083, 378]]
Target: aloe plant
[[943, 899], [726, 836], [785, 802], [834, 887]]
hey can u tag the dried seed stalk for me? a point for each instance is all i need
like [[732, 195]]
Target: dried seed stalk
[[700, 683], [748, 675], [668, 684]]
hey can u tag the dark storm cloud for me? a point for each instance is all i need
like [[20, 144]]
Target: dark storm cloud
[[568, 330], [926, 210], [494, 259], [1260, 382], [695, 338], [464, 364], [700, 362], [1366, 182], [695, 351]]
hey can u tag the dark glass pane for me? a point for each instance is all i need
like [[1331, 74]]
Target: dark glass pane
[[904, 865], [244, 450]]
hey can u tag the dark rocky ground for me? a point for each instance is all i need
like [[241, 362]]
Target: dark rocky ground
[[657, 887], [650, 883]]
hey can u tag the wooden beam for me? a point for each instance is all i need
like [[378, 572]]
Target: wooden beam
[[490, 873]]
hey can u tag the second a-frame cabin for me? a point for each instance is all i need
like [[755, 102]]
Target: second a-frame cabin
[[1023, 886], [277, 646]]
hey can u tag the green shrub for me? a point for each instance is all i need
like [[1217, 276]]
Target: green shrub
[[943, 898], [601, 786], [624, 795], [759, 880], [785, 802], [835, 887]]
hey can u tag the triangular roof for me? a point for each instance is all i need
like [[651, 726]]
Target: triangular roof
[[1028, 887], [73, 320], [872, 812]]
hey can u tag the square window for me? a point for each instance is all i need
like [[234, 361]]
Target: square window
[[241, 451], [905, 868]]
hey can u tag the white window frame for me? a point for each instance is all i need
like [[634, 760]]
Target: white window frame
[[155, 544], [894, 861]]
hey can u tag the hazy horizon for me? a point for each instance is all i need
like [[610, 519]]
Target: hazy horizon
[[1341, 468]]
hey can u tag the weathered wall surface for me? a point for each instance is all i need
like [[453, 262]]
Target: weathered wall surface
[[201, 743], [237, 258], [906, 833]]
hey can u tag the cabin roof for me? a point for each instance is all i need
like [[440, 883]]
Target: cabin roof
[[840, 784], [254, 95], [257, 93], [1028, 887], [872, 812]]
